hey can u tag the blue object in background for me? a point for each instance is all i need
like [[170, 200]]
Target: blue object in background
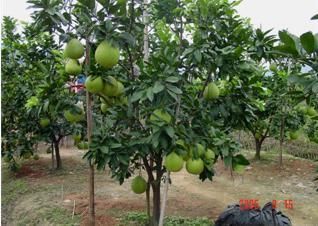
[[81, 79]]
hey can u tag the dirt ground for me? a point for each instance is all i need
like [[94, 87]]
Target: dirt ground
[[188, 196]]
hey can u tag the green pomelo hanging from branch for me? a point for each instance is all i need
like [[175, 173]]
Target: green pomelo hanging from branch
[[72, 67], [94, 85], [44, 122], [74, 49], [173, 162], [211, 91], [195, 166], [139, 185], [106, 55], [111, 87]]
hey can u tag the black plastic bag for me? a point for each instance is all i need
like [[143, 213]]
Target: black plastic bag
[[268, 216]]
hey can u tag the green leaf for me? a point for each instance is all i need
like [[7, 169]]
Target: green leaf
[[198, 56], [123, 159], [173, 95], [158, 87], [315, 17], [172, 79], [315, 88], [137, 96], [115, 145], [227, 160], [308, 42], [150, 94], [88, 3], [241, 160], [170, 131], [42, 67], [174, 89], [225, 151], [286, 38], [104, 149], [291, 43]]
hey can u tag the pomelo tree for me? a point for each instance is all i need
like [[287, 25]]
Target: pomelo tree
[[303, 50], [162, 97], [34, 92], [17, 139]]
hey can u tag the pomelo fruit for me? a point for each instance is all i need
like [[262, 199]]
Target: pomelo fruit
[[123, 100], [80, 145], [104, 107], [195, 166], [173, 162], [73, 116], [186, 156], [138, 185], [72, 67], [120, 89], [74, 49], [83, 145], [27, 155], [294, 135], [36, 157], [44, 122], [107, 100], [160, 115], [94, 84], [209, 154], [211, 91], [311, 111], [200, 149], [239, 168], [110, 87], [77, 138], [106, 55], [258, 135]]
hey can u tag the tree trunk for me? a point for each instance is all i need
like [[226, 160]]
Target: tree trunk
[[52, 155], [57, 155], [156, 202], [258, 147], [281, 140]]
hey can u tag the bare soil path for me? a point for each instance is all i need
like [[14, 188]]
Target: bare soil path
[[188, 196]]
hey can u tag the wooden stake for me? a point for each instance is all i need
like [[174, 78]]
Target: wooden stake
[[89, 105], [164, 199]]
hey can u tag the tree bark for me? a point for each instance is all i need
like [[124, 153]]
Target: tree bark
[[258, 147], [57, 155], [52, 155], [281, 141], [156, 202]]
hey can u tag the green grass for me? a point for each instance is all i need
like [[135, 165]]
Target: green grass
[[11, 190], [15, 191], [49, 216], [140, 218]]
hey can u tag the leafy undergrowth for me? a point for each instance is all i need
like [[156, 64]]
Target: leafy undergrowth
[[140, 218]]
